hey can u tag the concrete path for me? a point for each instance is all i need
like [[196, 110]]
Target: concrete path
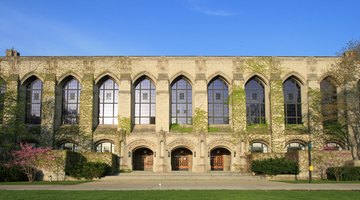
[[184, 182]]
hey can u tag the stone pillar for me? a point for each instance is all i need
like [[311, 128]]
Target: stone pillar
[[162, 103], [11, 108], [86, 112], [200, 104], [125, 103], [277, 115], [238, 120], [314, 112], [48, 110]]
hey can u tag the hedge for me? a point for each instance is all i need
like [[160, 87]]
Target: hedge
[[9, 174], [343, 173], [90, 170], [274, 166]]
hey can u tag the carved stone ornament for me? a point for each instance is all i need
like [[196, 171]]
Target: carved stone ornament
[[163, 64], [221, 143], [238, 65], [141, 143], [181, 143], [125, 63], [200, 63]]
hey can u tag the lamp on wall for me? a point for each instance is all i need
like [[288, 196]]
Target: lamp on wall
[[129, 154], [234, 153]]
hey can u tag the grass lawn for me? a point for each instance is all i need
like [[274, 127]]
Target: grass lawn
[[319, 181], [179, 194], [45, 183]]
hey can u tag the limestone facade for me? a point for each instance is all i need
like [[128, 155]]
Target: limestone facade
[[196, 142]]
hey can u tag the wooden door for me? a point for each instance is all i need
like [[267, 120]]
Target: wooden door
[[217, 162], [181, 160]]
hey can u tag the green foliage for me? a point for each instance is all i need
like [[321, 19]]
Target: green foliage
[[181, 128], [343, 173], [68, 130], [257, 129], [13, 173], [200, 124], [237, 100], [274, 166], [125, 124], [296, 128], [90, 170]]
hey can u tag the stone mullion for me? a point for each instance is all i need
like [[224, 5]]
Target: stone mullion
[[238, 107], [86, 111], [277, 116], [48, 110]]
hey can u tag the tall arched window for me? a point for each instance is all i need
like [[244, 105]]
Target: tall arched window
[[2, 98], [33, 102], [329, 101], [255, 101], [145, 102], [108, 104], [292, 101], [181, 102], [218, 107], [71, 102]]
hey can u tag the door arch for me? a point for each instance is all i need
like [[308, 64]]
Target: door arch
[[142, 159], [181, 159], [220, 159]]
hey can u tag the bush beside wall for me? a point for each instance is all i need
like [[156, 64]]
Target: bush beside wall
[[343, 173], [275, 166]]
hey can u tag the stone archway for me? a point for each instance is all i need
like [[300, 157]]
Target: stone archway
[[181, 159], [143, 159], [220, 159]]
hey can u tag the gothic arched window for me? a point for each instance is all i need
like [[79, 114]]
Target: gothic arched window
[[145, 102], [292, 101], [329, 101], [181, 102], [33, 102], [218, 107], [71, 102], [108, 102], [255, 102]]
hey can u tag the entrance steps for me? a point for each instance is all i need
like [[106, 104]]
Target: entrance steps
[[183, 176]]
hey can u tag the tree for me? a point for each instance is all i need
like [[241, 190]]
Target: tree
[[29, 158], [347, 73]]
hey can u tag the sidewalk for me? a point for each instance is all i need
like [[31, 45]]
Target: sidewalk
[[183, 183]]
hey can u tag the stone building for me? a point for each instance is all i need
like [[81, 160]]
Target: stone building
[[170, 113]]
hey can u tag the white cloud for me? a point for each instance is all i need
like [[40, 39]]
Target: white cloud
[[197, 6]]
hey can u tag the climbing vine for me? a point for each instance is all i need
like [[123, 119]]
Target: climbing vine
[[125, 124], [200, 124]]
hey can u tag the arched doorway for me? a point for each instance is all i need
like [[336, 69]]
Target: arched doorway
[[181, 159], [143, 159], [220, 159]]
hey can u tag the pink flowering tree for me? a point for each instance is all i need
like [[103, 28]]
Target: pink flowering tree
[[29, 158]]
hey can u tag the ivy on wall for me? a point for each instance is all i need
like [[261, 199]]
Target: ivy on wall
[[200, 124]]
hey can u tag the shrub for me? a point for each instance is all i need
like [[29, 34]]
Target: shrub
[[343, 173], [9, 174], [274, 166], [90, 170]]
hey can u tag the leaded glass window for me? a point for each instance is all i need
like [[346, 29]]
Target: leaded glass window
[[33, 102], [181, 102], [292, 101], [218, 107], [295, 146], [68, 146], [329, 101], [258, 147], [105, 147], [2, 98], [333, 146], [71, 102], [145, 102], [108, 104], [255, 102]]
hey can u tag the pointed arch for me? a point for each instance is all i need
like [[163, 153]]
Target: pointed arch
[[145, 101], [183, 74], [33, 99], [30, 76], [222, 76], [263, 79], [329, 77], [296, 76], [65, 77], [105, 75], [141, 76], [295, 145], [107, 91], [328, 90], [70, 88], [105, 145]]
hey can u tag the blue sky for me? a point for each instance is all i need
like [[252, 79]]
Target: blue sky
[[178, 27]]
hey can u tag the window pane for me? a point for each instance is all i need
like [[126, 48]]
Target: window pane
[[255, 101], [144, 101]]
